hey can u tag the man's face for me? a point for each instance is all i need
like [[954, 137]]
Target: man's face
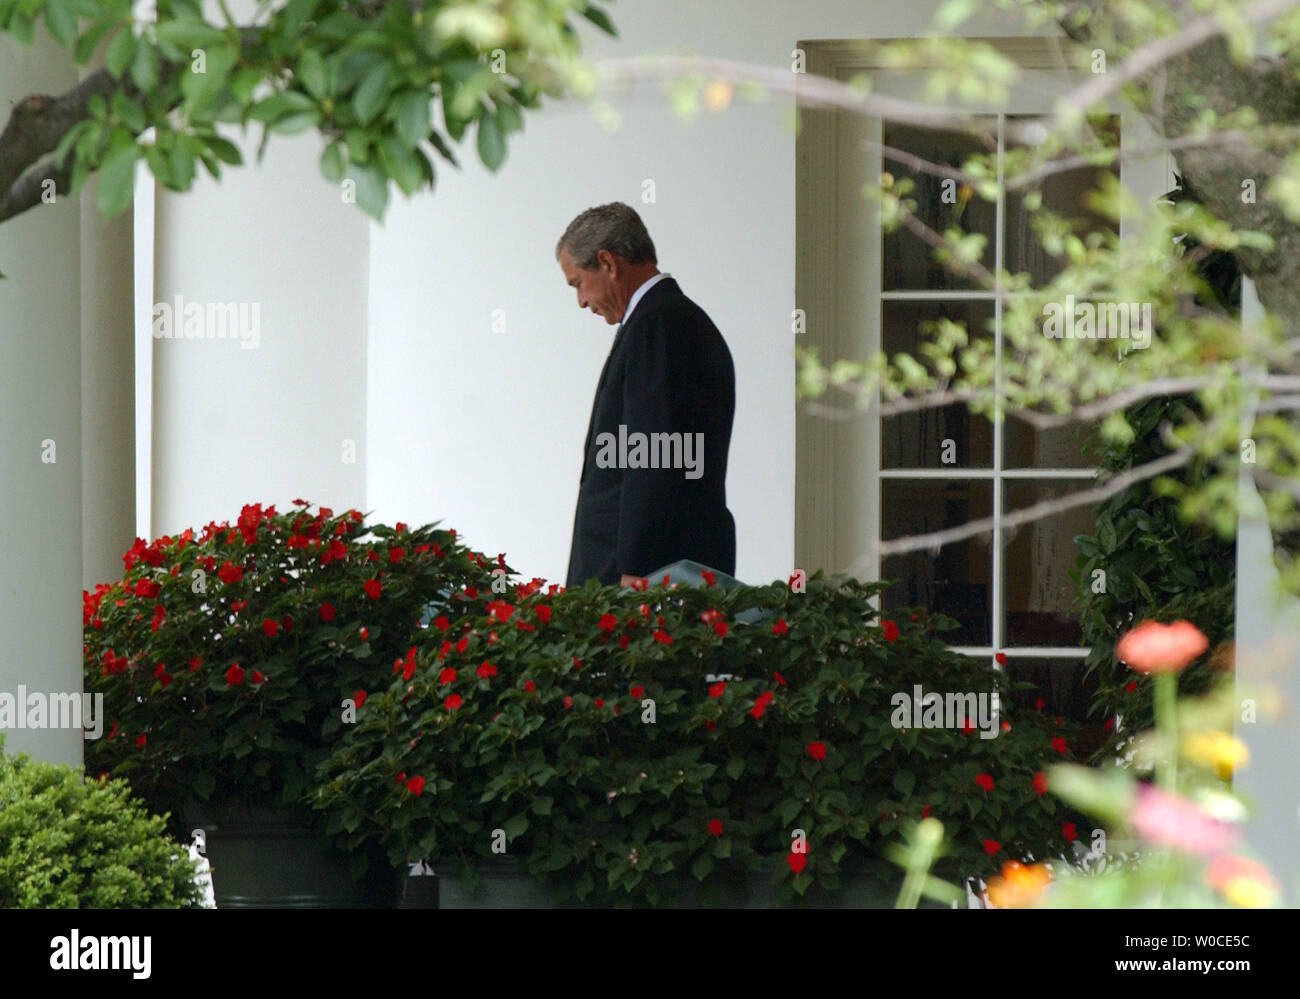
[[596, 288]]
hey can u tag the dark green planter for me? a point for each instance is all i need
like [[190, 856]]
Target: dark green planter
[[502, 884], [262, 860]]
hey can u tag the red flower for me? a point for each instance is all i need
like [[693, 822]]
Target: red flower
[[229, 573], [364, 633], [1130, 686], [415, 785], [796, 861], [636, 691], [452, 702], [1000, 658], [817, 750], [716, 689], [372, 588], [890, 630], [992, 846], [1059, 745], [577, 663], [925, 811], [446, 676], [543, 613], [194, 663], [441, 623], [663, 638], [269, 628], [234, 675], [622, 641], [1038, 703], [760, 704], [499, 610], [778, 678], [140, 740], [607, 622], [599, 703], [1068, 831], [395, 554], [237, 605], [327, 611], [708, 577], [709, 724], [984, 781], [486, 670], [568, 702], [720, 628], [1039, 783], [529, 686], [462, 644], [715, 827], [966, 725], [257, 676], [358, 697], [780, 628]]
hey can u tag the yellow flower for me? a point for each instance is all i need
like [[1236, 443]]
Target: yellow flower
[[1245, 883], [1018, 886], [1218, 751]]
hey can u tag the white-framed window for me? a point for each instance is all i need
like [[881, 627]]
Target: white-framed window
[[865, 480]]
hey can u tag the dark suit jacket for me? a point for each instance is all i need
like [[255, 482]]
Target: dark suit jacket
[[669, 372]]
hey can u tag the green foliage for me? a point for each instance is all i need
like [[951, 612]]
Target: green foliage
[[583, 726], [364, 76], [229, 660], [68, 843]]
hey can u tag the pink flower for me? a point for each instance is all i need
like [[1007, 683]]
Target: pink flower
[[1170, 820], [1152, 647]]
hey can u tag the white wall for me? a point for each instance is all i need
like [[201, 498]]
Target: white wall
[[486, 430], [234, 425]]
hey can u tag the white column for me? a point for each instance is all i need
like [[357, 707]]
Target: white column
[[1267, 664], [40, 413]]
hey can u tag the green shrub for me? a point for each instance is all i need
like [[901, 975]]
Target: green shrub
[[70, 843], [532, 716]]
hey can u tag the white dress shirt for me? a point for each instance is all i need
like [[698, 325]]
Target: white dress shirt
[[636, 297]]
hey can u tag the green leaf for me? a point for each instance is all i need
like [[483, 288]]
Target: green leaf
[[312, 73], [735, 767], [294, 123], [201, 88], [411, 116], [702, 866], [61, 21], [491, 143], [331, 163], [515, 826], [371, 189], [600, 19], [117, 177], [372, 93], [187, 35], [904, 781], [401, 164], [144, 67], [119, 53], [542, 804], [90, 39], [225, 150]]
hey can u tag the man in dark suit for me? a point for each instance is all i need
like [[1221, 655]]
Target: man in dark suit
[[654, 471]]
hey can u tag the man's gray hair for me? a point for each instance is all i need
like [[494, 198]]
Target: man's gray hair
[[614, 227]]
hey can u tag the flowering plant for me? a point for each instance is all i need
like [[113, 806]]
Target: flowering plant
[[1178, 833], [622, 741], [233, 659]]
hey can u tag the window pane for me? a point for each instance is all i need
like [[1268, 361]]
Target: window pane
[[1074, 445], [909, 263], [1041, 598], [1064, 194], [957, 580], [946, 437], [1066, 692]]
